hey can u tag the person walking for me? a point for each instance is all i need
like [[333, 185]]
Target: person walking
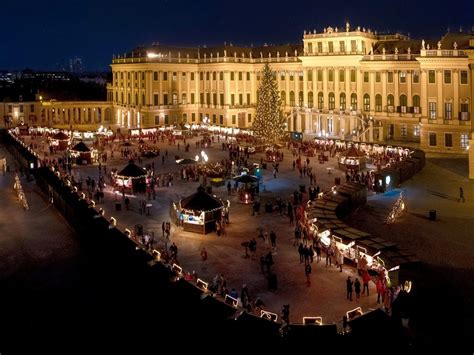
[[461, 195], [273, 239], [307, 271], [203, 257], [357, 288], [349, 284], [365, 280]]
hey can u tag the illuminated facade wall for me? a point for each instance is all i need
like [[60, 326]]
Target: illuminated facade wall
[[342, 83], [83, 115]]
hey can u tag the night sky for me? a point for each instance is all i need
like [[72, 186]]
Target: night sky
[[45, 34]]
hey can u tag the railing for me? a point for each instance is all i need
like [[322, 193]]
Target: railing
[[226, 59], [442, 53], [392, 57]]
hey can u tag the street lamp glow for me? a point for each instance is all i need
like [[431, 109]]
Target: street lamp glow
[[151, 55]]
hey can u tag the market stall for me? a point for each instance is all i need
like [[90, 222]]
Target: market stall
[[248, 188], [352, 159], [199, 212], [131, 178], [60, 140], [81, 154]]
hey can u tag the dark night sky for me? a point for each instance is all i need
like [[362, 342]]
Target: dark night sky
[[40, 34]]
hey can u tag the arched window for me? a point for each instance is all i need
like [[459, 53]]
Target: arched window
[[354, 102], [403, 100], [342, 99], [416, 104], [378, 103], [390, 103], [283, 98], [300, 98], [332, 101], [403, 103], [366, 102], [292, 98], [310, 99], [320, 101]]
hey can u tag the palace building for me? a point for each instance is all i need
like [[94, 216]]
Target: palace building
[[343, 83], [349, 83]]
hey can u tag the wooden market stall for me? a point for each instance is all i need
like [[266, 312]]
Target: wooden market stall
[[199, 212]]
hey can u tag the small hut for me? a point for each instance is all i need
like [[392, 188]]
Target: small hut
[[81, 153], [199, 212], [60, 140], [132, 178], [352, 159]]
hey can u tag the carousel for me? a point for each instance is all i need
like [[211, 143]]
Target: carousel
[[352, 159], [199, 212], [131, 178], [81, 154]]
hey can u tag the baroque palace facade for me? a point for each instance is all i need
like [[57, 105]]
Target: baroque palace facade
[[343, 83]]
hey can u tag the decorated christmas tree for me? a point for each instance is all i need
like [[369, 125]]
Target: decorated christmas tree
[[269, 123]]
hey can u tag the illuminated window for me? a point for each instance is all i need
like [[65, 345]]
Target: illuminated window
[[403, 130], [448, 110], [332, 101], [378, 103], [403, 77], [416, 130], [354, 102], [432, 109], [320, 101], [416, 104], [366, 102], [342, 100], [464, 140]]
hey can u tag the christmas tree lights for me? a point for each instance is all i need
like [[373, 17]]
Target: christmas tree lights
[[269, 123]]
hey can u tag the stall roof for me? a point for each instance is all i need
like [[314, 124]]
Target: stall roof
[[348, 235], [81, 147], [325, 205], [60, 136], [201, 201], [324, 214], [132, 170], [358, 232], [352, 152]]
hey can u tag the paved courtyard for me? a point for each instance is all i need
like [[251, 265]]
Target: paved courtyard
[[446, 246]]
